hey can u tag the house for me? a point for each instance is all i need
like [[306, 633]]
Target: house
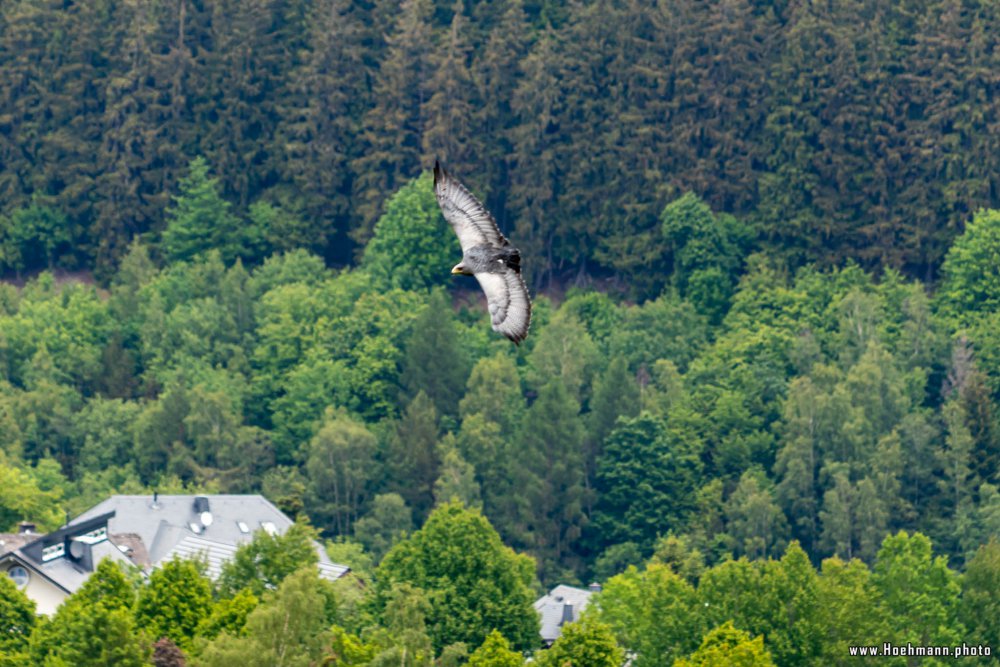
[[143, 531], [562, 605], [48, 568]]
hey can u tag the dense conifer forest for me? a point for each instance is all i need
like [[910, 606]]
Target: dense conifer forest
[[759, 400]]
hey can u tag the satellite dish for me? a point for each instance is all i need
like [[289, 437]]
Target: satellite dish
[[206, 519], [77, 549]]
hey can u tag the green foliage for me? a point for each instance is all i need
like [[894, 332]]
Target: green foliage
[[411, 454], [616, 394], [32, 236], [549, 474], [272, 229], [23, 499], [348, 650], [583, 643], [968, 286], [402, 636], [174, 602], [340, 464], [457, 480], [94, 626], [289, 627], [228, 615], [784, 399], [17, 617], [495, 652], [755, 522], [200, 219], [413, 248], [645, 466], [919, 591], [352, 554], [981, 594], [387, 522], [436, 362], [653, 613], [850, 611], [314, 117], [707, 251], [565, 350], [725, 645], [775, 599], [474, 583], [666, 328], [264, 562]]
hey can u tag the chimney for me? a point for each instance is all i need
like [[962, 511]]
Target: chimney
[[594, 587], [26, 528], [200, 504], [567, 616], [81, 553]]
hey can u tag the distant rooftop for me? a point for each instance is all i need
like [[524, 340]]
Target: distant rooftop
[[562, 605], [67, 556], [212, 526]]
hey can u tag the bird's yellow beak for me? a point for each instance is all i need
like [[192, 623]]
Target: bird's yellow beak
[[457, 269]]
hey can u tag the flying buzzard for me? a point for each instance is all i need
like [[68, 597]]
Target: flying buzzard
[[487, 255]]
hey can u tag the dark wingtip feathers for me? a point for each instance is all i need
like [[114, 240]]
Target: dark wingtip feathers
[[439, 173]]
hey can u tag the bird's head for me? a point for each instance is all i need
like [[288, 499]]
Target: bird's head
[[461, 270]]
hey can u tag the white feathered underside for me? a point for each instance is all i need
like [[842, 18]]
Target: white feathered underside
[[508, 303], [506, 294], [467, 216]]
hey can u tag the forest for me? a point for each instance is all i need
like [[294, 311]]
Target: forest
[[759, 399]]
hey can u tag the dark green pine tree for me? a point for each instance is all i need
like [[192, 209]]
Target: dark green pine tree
[[867, 140], [549, 474], [535, 161], [178, 83], [435, 361], [27, 27], [70, 129], [645, 467], [254, 45], [591, 96], [616, 395], [496, 74], [411, 457], [953, 158], [392, 129], [797, 463], [200, 219], [128, 153], [640, 51], [721, 90], [448, 132], [795, 195], [327, 94]]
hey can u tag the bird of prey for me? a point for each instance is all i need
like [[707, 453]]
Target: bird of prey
[[487, 255]]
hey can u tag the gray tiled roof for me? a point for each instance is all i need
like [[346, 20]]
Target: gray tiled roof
[[12, 541], [171, 526], [553, 609], [68, 574], [215, 554]]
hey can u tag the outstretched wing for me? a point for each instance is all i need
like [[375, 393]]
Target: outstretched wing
[[508, 302], [466, 214]]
